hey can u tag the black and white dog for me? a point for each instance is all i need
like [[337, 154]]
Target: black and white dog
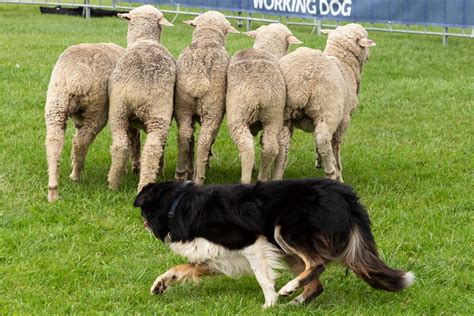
[[245, 228]]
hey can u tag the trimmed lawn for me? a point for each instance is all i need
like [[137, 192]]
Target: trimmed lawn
[[408, 153]]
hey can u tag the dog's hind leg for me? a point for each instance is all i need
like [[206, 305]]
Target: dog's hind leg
[[313, 265], [310, 292], [181, 273], [264, 258], [312, 289]]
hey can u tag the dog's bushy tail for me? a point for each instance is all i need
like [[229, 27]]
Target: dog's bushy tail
[[362, 257]]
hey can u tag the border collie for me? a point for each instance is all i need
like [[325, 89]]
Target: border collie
[[248, 228]]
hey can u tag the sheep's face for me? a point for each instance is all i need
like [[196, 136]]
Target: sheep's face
[[352, 37], [214, 20], [276, 33]]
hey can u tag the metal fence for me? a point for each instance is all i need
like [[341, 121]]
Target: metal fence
[[446, 18]]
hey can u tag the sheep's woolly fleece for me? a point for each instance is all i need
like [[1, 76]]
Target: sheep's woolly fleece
[[77, 89], [141, 92], [256, 96], [322, 92], [201, 79]]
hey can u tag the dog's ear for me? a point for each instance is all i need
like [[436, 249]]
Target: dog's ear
[[145, 196]]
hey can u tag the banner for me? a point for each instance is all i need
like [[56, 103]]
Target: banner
[[450, 13]]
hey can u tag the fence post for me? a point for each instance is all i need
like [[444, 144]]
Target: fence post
[[249, 15], [86, 12], [445, 36]]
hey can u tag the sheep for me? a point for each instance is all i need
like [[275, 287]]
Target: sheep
[[256, 96], [201, 80], [77, 89], [322, 91], [141, 90]]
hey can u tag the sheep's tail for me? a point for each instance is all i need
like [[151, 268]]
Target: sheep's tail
[[362, 257], [197, 84]]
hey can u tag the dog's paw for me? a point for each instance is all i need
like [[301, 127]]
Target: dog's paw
[[270, 300], [158, 287], [289, 288], [298, 300]]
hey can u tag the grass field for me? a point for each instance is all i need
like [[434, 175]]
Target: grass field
[[408, 152]]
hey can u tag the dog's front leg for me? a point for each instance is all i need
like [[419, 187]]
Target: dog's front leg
[[183, 272], [258, 256]]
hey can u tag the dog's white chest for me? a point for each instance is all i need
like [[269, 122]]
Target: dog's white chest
[[229, 262]]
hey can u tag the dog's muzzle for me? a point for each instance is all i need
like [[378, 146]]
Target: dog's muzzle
[[146, 226]]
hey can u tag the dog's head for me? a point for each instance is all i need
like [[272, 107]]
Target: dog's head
[[155, 200]]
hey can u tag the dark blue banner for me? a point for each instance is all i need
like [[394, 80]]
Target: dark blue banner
[[458, 13]]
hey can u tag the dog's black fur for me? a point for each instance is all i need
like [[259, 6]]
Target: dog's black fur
[[316, 217]]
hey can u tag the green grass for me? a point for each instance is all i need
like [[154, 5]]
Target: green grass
[[408, 152]]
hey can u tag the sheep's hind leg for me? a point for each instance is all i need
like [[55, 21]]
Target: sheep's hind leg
[[207, 135], [243, 139], [190, 159], [336, 144], [269, 150], [323, 136], [153, 150], [120, 150], [281, 161], [55, 129], [185, 145], [92, 124], [134, 135]]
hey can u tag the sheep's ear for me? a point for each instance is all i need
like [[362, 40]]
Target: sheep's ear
[[189, 22], [164, 22], [232, 29], [251, 33], [125, 16], [291, 39], [365, 42], [326, 31]]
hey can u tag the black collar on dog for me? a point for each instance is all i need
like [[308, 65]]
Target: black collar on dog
[[175, 203]]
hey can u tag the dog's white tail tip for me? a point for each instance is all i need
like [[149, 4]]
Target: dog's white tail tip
[[408, 279]]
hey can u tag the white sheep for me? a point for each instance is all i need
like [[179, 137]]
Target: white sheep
[[77, 89], [322, 93], [256, 96], [141, 95], [201, 80]]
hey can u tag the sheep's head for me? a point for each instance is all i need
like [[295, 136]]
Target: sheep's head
[[145, 22], [352, 38], [212, 20], [274, 38]]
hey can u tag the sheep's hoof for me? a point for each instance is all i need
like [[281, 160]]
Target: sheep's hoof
[[114, 187], [161, 172], [180, 176], [332, 175], [199, 180], [53, 195], [136, 170], [319, 162], [74, 177]]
